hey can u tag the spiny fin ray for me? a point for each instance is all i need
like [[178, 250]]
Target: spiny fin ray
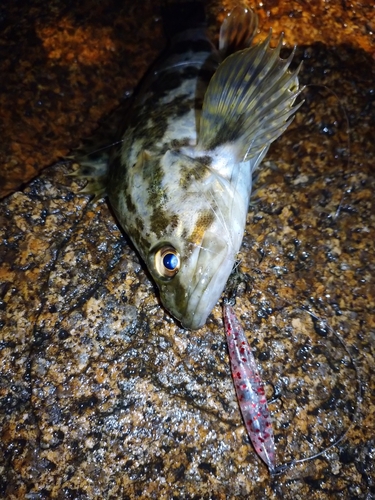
[[249, 101], [96, 152], [237, 30], [95, 171]]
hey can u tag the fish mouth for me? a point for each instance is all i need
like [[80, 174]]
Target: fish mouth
[[204, 298], [199, 284]]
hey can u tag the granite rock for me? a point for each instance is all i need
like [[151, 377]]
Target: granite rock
[[102, 393]]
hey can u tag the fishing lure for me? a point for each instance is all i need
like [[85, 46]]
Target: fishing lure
[[251, 394], [250, 389]]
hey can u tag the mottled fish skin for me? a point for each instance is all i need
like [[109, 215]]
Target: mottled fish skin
[[181, 181], [168, 199]]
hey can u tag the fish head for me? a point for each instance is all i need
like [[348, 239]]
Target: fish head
[[191, 276], [197, 245]]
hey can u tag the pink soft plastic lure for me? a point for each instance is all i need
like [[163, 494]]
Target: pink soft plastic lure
[[250, 390]]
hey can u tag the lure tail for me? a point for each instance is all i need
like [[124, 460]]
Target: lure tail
[[250, 390]]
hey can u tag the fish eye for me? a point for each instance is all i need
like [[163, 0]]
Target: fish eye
[[167, 261]]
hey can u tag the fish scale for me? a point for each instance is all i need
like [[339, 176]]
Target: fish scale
[[181, 179]]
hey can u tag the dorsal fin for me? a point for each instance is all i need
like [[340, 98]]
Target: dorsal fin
[[237, 30]]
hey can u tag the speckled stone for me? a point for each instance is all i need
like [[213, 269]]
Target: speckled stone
[[64, 65], [102, 394]]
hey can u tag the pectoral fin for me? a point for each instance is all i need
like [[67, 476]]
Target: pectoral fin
[[249, 101]]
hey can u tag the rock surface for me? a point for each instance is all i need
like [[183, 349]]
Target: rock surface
[[102, 394]]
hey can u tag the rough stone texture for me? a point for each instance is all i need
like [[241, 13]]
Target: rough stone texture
[[64, 64], [102, 394]]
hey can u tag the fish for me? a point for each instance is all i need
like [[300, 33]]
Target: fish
[[180, 176]]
